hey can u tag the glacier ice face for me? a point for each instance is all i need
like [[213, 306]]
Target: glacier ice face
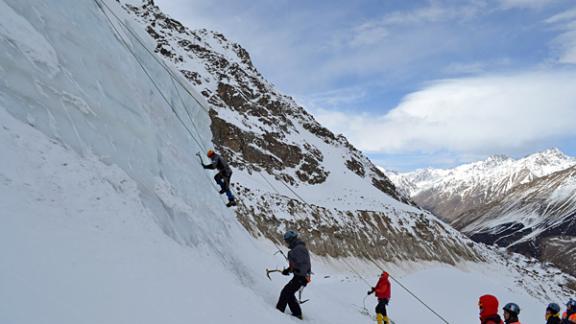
[[99, 102]]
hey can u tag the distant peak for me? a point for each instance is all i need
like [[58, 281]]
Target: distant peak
[[549, 155], [553, 152], [498, 157]]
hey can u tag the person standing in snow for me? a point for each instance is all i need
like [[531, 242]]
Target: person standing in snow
[[488, 305], [569, 316], [382, 291], [511, 312], [553, 314], [223, 176], [298, 264]]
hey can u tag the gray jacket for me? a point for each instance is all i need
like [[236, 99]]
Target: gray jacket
[[220, 164], [299, 259]]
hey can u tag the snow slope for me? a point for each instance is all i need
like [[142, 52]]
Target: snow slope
[[106, 216]]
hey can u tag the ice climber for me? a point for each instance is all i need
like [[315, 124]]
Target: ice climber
[[553, 314], [223, 176], [511, 312], [299, 265], [569, 316], [488, 305], [382, 291]]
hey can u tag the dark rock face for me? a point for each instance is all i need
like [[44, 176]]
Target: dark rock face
[[356, 167]]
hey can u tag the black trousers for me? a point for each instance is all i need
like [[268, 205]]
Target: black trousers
[[381, 307], [288, 297]]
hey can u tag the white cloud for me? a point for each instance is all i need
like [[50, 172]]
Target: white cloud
[[367, 34], [476, 67], [527, 4], [471, 115], [565, 42], [377, 29], [434, 13]]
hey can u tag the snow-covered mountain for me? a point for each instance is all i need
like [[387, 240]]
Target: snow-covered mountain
[[106, 215], [526, 205], [537, 218], [451, 193]]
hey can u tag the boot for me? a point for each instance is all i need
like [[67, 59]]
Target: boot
[[231, 203], [379, 318], [386, 319]]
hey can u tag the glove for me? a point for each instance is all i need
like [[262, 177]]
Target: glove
[[286, 271], [204, 166], [371, 291]]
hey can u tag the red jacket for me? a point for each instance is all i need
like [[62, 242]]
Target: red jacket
[[569, 318], [489, 310], [382, 288]]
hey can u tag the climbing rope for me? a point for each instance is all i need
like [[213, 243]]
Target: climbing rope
[[410, 292], [100, 4], [127, 46], [152, 54]]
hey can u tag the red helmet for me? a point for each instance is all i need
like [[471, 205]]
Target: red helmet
[[210, 153]]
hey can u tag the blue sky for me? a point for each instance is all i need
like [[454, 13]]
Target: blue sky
[[415, 83]]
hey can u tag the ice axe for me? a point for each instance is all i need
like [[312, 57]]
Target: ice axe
[[300, 301], [199, 157], [269, 271]]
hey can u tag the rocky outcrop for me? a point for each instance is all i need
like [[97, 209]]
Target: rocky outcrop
[[360, 233]]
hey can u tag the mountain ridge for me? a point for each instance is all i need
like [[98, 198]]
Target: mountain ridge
[[451, 192]]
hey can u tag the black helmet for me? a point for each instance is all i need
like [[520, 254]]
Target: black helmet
[[512, 308], [554, 308], [571, 303], [290, 236]]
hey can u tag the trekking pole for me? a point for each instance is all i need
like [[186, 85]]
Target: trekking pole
[[365, 310]]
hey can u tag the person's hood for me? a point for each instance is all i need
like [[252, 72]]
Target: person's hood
[[489, 306], [384, 275], [295, 243]]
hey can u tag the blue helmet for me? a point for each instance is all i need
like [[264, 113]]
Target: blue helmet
[[571, 303], [554, 308], [290, 235], [512, 308]]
